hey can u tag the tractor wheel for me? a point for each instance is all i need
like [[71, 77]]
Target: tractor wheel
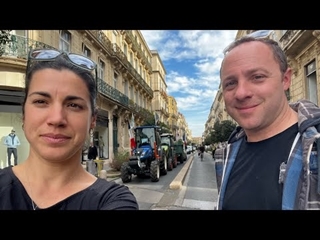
[[164, 165], [181, 159], [175, 162], [170, 164], [125, 174], [154, 171]]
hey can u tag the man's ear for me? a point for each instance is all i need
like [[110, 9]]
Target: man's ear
[[287, 79]]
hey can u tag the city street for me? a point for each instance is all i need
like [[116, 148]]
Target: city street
[[198, 191]]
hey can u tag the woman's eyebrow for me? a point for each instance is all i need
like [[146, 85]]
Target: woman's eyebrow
[[44, 94], [67, 98]]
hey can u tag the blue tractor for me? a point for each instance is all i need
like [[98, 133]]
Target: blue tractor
[[147, 158]]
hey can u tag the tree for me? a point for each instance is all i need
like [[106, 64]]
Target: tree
[[221, 131], [4, 39]]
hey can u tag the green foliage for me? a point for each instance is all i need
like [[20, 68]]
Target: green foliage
[[221, 132], [4, 39], [150, 122], [120, 157]]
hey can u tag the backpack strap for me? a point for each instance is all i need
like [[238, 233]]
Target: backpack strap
[[318, 156]]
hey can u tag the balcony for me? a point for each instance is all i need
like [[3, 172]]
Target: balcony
[[128, 36], [19, 47], [294, 41], [112, 93], [141, 112], [122, 64]]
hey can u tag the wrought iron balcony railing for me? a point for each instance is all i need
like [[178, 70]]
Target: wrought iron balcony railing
[[19, 46], [112, 93]]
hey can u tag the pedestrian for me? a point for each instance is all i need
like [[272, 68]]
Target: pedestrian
[[58, 119], [92, 155], [271, 158], [101, 147], [12, 142], [213, 151]]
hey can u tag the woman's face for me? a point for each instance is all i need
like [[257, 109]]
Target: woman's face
[[57, 115]]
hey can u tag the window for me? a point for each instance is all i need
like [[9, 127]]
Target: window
[[126, 88], [137, 98], [311, 83], [131, 92], [65, 41], [101, 69], [135, 64], [86, 51], [115, 79], [131, 58], [125, 49]]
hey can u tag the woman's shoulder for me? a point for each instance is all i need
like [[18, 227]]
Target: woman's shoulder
[[6, 175], [117, 196], [102, 185]]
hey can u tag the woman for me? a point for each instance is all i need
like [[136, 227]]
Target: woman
[[59, 113]]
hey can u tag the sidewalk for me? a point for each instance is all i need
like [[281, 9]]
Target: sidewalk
[[111, 174]]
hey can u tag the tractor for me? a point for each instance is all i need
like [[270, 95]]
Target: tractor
[[146, 158], [167, 146], [179, 151]]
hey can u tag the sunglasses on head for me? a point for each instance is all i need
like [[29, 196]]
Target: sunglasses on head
[[51, 54], [261, 34]]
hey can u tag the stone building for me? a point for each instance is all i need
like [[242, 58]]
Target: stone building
[[302, 48]]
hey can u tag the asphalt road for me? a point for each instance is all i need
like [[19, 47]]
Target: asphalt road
[[191, 187]]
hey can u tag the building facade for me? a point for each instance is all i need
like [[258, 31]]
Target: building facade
[[302, 48], [123, 79]]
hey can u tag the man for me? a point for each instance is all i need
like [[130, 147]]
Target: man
[[201, 149], [12, 141], [271, 159]]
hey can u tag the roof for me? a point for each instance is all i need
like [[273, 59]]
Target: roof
[[166, 134]]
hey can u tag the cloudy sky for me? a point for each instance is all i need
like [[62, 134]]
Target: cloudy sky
[[192, 60]]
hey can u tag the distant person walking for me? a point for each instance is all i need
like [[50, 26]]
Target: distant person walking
[[12, 141]]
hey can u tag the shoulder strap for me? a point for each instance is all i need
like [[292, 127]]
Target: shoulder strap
[[318, 156]]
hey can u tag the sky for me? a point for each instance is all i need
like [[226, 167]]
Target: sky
[[191, 59]]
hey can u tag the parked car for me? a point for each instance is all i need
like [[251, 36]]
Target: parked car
[[189, 149]]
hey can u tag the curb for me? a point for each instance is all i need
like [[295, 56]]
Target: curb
[[178, 181]]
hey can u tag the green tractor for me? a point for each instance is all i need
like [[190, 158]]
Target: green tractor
[[168, 148], [179, 151]]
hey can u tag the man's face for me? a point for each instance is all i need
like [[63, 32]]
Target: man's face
[[253, 86]]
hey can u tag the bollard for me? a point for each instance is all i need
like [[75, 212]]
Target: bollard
[[103, 174]]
